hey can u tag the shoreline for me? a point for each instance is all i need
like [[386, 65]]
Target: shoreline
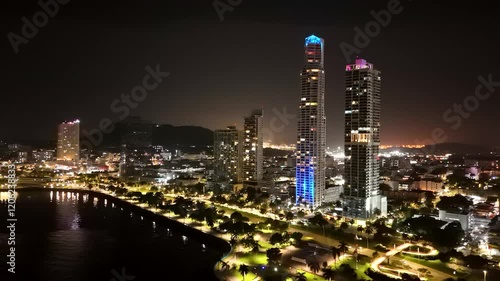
[[217, 243]]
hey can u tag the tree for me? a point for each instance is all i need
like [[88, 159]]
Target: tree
[[237, 216], [375, 255], [314, 266], [244, 269], [319, 220], [328, 273], [249, 242], [300, 276], [300, 214], [343, 247], [273, 255], [408, 277], [335, 254], [276, 238], [344, 226], [297, 237], [360, 229], [289, 216]]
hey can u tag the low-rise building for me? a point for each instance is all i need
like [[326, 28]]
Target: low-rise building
[[428, 185], [332, 193], [462, 216]]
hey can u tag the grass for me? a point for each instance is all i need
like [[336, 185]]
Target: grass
[[362, 267], [310, 276], [249, 276], [265, 245], [435, 264], [252, 258]]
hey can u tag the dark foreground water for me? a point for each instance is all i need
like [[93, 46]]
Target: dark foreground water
[[71, 236]]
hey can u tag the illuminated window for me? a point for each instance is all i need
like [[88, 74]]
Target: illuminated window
[[356, 137]]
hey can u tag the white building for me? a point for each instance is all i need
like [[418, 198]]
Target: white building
[[332, 193], [465, 218]]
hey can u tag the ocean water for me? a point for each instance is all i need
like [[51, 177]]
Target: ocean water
[[63, 236]]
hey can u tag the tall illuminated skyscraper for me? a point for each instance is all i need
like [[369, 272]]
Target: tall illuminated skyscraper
[[362, 140], [253, 160], [68, 141], [228, 154], [311, 129]]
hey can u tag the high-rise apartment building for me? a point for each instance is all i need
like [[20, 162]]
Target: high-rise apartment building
[[311, 130], [362, 197], [68, 141], [136, 154], [253, 159], [228, 154]]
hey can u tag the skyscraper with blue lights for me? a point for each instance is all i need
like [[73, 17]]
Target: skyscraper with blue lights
[[311, 129]]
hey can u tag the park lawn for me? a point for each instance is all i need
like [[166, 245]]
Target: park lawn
[[265, 245], [362, 267], [249, 276], [252, 258], [435, 264], [253, 218], [310, 276]]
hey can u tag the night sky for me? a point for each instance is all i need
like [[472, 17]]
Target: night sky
[[431, 55]]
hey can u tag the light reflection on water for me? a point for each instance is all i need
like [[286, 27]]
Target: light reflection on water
[[78, 237]]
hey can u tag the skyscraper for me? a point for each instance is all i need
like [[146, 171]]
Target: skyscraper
[[311, 129], [228, 154], [68, 141], [136, 146], [362, 140], [253, 146]]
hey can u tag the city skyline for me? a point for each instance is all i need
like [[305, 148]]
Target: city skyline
[[417, 94], [250, 140]]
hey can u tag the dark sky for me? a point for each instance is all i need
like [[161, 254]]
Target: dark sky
[[92, 51]]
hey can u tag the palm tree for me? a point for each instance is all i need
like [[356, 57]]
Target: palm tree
[[224, 265], [360, 229], [343, 247], [314, 266], [300, 276], [368, 232], [335, 254], [328, 273], [244, 269], [344, 226]]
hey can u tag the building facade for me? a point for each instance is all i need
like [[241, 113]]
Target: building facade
[[136, 146], [253, 159], [311, 127], [228, 155], [68, 141], [362, 197]]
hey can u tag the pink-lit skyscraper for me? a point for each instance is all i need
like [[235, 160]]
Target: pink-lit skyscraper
[[362, 197]]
